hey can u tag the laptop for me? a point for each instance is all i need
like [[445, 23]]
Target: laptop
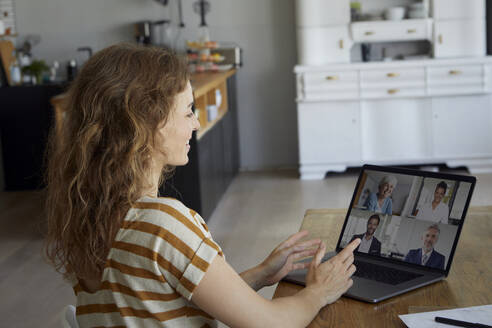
[[409, 222]]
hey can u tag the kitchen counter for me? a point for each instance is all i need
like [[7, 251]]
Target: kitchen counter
[[204, 82]]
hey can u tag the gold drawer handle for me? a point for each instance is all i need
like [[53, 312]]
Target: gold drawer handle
[[340, 44], [393, 91], [440, 38], [454, 72], [369, 33], [412, 30], [393, 74], [332, 78]]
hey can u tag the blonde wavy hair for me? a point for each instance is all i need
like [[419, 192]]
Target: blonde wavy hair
[[97, 166]]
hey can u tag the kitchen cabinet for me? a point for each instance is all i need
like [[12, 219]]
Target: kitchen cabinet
[[328, 134], [459, 38], [313, 13], [461, 127], [323, 28], [458, 79], [25, 119], [457, 9], [330, 84], [406, 111], [395, 128], [333, 42], [395, 113], [214, 155]]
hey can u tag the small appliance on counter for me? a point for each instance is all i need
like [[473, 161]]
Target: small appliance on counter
[[219, 56], [231, 52]]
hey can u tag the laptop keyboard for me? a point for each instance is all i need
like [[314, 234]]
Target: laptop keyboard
[[383, 274]]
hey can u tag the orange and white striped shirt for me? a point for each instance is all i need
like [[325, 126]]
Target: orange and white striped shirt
[[159, 256]]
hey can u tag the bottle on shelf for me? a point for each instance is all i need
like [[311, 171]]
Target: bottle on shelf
[[15, 73]]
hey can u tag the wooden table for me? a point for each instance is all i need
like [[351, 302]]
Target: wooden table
[[469, 282]]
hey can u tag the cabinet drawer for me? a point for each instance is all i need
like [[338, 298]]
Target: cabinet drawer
[[393, 92], [466, 79], [391, 76], [330, 79], [330, 85], [456, 74], [409, 29]]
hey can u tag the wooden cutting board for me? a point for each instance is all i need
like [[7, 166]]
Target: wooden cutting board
[[6, 49]]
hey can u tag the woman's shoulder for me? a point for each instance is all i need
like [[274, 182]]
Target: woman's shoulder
[[164, 211]]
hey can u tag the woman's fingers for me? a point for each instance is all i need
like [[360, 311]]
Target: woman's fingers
[[319, 254], [306, 244], [349, 250], [294, 238], [306, 253]]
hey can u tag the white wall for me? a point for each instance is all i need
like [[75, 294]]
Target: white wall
[[263, 28]]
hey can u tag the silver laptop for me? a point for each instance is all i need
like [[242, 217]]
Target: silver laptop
[[409, 222]]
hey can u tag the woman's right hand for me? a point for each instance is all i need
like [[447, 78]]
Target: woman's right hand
[[331, 279]]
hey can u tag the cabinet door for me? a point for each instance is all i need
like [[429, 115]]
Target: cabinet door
[[323, 45], [456, 9], [462, 126], [322, 12], [459, 38], [396, 130], [329, 132], [211, 168]]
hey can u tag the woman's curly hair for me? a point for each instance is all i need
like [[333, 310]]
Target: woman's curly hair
[[98, 162]]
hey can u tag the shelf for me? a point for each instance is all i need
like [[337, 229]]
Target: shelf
[[205, 86]]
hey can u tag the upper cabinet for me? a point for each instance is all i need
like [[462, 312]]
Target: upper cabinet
[[458, 9], [323, 45], [459, 28], [313, 13], [440, 29], [459, 38]]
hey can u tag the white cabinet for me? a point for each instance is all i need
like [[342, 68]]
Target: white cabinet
[[405, 30], [459, 38], [312, 13], [323, 32], [394, 83], [395, 113], [461, 127], [457, 79], [457, 9], [328, 133], [328, 85], [323, 45], [395, 129]]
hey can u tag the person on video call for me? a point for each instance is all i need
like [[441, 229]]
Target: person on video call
[[381, 202], [369, 244], [435, 211], [427, 255]]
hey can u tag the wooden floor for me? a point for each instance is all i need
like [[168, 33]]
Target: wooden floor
[[258, 211]]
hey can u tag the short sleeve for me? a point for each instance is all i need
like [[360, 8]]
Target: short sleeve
[[196, 268], [183, 248]]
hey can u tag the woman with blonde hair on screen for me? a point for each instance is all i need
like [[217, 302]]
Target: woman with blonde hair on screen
[[380, 201], [136, 259]]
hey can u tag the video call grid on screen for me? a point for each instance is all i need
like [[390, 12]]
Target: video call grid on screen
[[407, 217]]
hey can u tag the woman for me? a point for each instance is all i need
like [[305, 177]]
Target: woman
[[435, 211], [381, 202], [139, 260]]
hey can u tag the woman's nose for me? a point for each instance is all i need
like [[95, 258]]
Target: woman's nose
[[196, 124]]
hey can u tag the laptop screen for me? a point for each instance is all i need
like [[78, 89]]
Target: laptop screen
[[408, 215]]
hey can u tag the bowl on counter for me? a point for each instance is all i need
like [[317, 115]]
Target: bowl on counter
[[395, 13]]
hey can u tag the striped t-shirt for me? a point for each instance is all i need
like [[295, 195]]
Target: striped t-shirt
[[159, 256]]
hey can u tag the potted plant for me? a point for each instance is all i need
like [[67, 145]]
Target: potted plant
[[36, 70]]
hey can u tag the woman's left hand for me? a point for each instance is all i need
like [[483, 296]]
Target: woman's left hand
[[283, 258]]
